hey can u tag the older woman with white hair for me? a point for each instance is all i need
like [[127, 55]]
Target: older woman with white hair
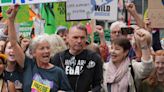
[[39, 74]]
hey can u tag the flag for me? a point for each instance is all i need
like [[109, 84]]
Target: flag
[[32, 14], [89, 29], [48, 15]]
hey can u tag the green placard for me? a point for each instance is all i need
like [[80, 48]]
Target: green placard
[[6, 1], [22, 16], [25, 28]]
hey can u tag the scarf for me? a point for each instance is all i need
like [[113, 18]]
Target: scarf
[[118, 78]]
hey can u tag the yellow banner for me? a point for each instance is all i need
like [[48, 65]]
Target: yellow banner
[[39, 87]]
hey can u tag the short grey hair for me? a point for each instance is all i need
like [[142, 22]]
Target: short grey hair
[[118, 24], [57, 44], [39, 39]]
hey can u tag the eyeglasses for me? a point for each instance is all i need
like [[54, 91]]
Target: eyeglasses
[[114, 32]]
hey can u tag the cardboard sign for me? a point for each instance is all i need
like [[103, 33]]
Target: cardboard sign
[[104, 9], [78, 10], [11, 2], [156, 13]]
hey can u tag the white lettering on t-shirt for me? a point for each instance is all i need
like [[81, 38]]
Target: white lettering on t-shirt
[[73, 66]]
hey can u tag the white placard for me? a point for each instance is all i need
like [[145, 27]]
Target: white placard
[[104, 9], [11, 2], [78, 9]]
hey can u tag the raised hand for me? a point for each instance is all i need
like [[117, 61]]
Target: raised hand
[[100, 30], [147, 24], [12, 11], [143, 38], [131, 8]]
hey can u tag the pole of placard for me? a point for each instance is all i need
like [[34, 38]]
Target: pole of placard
[[93, 25]]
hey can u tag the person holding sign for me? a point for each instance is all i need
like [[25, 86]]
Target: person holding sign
[[39, 74]]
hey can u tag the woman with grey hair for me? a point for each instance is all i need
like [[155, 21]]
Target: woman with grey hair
[[57, 44], [39, 74]]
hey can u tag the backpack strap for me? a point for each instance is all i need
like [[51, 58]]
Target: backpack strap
[[1, 84], [61, 56], [133, 76]]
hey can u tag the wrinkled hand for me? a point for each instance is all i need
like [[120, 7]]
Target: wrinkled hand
[[141, 37], [100, 30], [12, 12], [148, 24], [131, 8]]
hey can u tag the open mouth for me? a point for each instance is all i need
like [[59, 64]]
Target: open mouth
[[12, 56], [113, 56], [46, 56]]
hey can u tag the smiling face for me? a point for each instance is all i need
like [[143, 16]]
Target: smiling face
[[117, 53], [42, 52], [9, 52], [159, 64], [119, 49]]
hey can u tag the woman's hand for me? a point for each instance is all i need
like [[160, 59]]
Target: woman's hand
[[12, 12], [148, 25], [100, 30], [131, 8], [143, 38]]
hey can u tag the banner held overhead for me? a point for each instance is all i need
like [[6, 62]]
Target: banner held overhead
[[11, 2], [104, 9], [78, 10]]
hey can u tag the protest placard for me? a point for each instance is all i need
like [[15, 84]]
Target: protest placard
[[11, 2], [156, 13], [104, 9], [78, 10]]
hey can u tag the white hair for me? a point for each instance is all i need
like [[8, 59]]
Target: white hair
[[57, 44], [38, 39], [117, 24]]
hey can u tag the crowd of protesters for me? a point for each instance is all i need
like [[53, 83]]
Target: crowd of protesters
[[65, 62]]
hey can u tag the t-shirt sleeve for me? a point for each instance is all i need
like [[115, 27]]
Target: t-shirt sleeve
[[28, 61], [64, 83]]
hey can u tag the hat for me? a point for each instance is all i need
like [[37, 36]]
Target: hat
[[61, 29]]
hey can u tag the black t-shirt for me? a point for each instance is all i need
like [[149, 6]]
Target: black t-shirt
[[16, 77], [79, 67]]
